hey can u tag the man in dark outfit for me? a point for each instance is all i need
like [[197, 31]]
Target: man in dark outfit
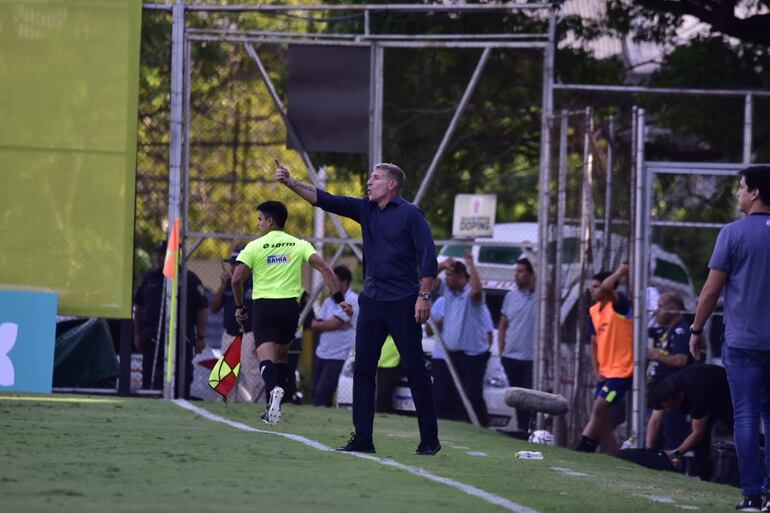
[[148, 301], [700, 391], [399, 269]]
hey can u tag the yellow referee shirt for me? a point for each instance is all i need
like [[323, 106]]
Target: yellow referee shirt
[[275, 261]]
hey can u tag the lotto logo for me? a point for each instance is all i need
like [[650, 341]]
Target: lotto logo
[[278, 259], [8, 333]]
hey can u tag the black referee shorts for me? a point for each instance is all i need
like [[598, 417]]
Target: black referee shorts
[[274, 320]]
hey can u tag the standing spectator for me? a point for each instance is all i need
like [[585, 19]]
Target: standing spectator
[[249, 385], [516, 333], [150, 329], [399, 268], [461, 318], [670, 352], [702, 393], [613, 356], [740, 264], [338, 334], [275, 262]]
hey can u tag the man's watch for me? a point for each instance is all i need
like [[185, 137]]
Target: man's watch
[[678, 455], [424, 295], [693, 331]]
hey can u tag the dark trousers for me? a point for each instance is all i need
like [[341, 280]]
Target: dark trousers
[[519, 373], [377, 319], [154, 380], [444, 391], [388, 379], [471, 370], [748, 372], [325, 377]]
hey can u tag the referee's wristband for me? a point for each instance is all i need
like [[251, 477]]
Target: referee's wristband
[[239, 307], [338, 297]]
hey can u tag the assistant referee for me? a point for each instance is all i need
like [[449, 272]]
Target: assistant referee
[[275, 263]]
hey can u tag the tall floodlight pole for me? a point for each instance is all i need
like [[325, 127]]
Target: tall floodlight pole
[[544, 204], [175, 164]]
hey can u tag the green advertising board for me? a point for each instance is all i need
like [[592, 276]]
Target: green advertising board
[[69, 72]]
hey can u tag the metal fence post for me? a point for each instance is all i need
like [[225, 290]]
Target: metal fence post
[[640, 273], [175, 156]]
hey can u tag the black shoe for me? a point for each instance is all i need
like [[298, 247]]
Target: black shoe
[[428, 448], [356, 444], [753, 503]]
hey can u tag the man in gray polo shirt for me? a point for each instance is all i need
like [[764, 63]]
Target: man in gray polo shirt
[[460, 314], [740, 264], [516, 332]]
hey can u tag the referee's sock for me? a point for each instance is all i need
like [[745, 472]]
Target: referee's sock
[[282, 374], [269, 376]]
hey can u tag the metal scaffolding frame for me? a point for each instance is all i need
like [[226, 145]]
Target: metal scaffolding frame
[[183, 37], [646, 173], [547, 327]]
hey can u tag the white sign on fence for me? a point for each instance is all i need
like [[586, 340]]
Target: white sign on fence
[[474, 215]]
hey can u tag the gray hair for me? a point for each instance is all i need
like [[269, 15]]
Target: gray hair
[[393, 171]]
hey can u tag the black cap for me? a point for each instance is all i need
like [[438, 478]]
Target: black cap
[[459, 267]]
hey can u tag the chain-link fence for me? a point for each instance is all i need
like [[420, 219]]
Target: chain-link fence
[[236, 131]]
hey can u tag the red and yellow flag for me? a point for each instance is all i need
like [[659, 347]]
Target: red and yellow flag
[[172, 250], [225, 372]]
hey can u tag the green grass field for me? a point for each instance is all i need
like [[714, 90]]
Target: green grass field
[[87, 454]]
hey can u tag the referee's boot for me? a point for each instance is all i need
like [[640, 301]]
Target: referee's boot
[[358, 444], [274, 406], [428, 448]]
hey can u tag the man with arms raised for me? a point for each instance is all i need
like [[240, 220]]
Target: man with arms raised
[[399, 268], [612, 336]]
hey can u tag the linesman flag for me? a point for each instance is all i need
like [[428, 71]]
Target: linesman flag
[[172, 250], [225, 372]]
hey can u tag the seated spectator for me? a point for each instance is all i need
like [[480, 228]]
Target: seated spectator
[[670, 352]]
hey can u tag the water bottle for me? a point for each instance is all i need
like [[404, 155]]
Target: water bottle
[[529, 455], [628, 444]]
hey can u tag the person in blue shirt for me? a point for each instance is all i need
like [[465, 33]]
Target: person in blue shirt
[[460, 314], [399, 268], [740, 264], [670, 352]]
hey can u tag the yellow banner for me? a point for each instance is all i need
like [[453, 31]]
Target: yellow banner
[[68, 97]]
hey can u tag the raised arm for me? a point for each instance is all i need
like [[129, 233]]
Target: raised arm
[[320, 265], [304, 190], [608, 285], [477, 290]]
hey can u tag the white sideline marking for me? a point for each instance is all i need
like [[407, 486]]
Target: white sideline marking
[[465, 488], [664, 499], [569, 472], [477, 453]]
